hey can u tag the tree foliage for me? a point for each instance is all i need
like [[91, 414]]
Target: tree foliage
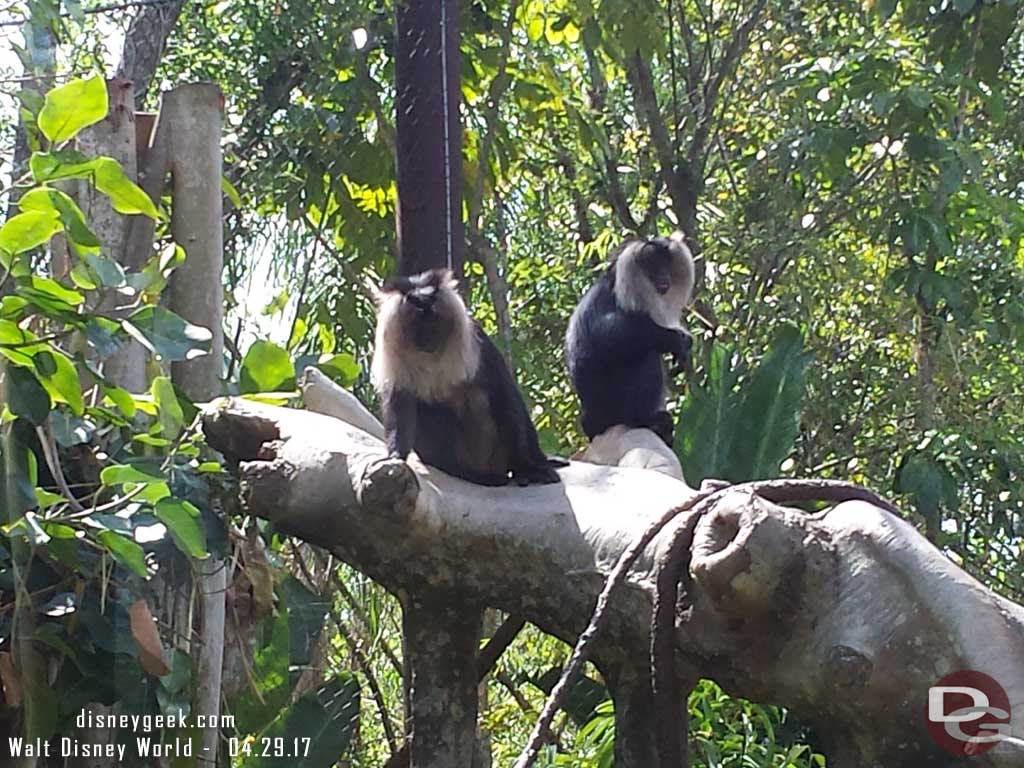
[[849, 173]]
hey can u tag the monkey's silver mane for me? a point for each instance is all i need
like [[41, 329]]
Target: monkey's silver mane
[[430, 376], [634, 291]]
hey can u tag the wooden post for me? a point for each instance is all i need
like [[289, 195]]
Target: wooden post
[[190, 120], [429, 136]]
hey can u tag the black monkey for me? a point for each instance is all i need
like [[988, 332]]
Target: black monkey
[[446, 391], [620, 330]]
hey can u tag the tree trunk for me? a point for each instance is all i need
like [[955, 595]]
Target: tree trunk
[[144, 44], [114, 137]]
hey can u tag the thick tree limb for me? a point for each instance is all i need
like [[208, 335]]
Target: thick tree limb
[[846, 616], [144, 43]]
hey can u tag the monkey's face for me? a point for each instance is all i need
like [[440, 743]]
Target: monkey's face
[[426, 307], [661, 264], [654, 276]]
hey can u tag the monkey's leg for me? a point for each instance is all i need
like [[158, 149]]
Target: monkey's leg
[[644, 402], [400, 423]]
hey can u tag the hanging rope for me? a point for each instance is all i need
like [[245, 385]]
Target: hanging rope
[[445, 108]]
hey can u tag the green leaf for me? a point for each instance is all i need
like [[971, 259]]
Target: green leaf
[[26, 397], [307, 613], [17, 484], [167, 406], [266, 368], [125, 195], [51, 289], [110, 273], [229, 189], [121, 398], [180, 674], [61, 164], [28, 230], [167, 335], [40, 710], [125, 551], [71, 107], [119, 474], [342, 369], [183, 523], [770, 411], [47, 199], [63, 383], [707, 420], [259, 703], [327, 717]]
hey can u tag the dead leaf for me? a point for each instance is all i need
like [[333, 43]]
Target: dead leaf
[[147, 638]]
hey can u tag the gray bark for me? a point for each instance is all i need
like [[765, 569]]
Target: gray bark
[[191, 115], [440, 638], [113, 137], [144, 44]]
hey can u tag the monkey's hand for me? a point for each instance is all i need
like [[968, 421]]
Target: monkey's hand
[[541, 474], [683, 344]]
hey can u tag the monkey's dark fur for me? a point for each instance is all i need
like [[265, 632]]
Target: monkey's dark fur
[[445, 388], [621, 329]]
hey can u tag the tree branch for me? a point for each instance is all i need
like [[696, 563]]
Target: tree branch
[[829, 614]]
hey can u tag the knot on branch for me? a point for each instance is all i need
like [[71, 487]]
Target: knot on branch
[[848, 667], [388, 486], [742, 556]]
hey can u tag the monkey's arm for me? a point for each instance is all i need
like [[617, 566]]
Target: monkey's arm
[[400, 422], [628, 333]]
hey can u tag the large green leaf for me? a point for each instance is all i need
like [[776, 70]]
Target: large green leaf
[[317, 729], [168, 408], [928, 481], [125, 551], [61, 164], [40, 710], [60, 377], [17, 481], [707, 420], [71, 107], [266, 368], [125, 195], [49, 200], [118, 474], [183, 523], [342, 368], [26, 397], [307, 613], [166, 334], [770, 412], [28, 230], [261, 702]]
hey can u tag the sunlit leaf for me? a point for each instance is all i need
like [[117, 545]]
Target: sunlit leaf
[[119, 474], [28, 230], [125, 551], [266, 368], [71, 107], [125, 195], [184, 524]]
